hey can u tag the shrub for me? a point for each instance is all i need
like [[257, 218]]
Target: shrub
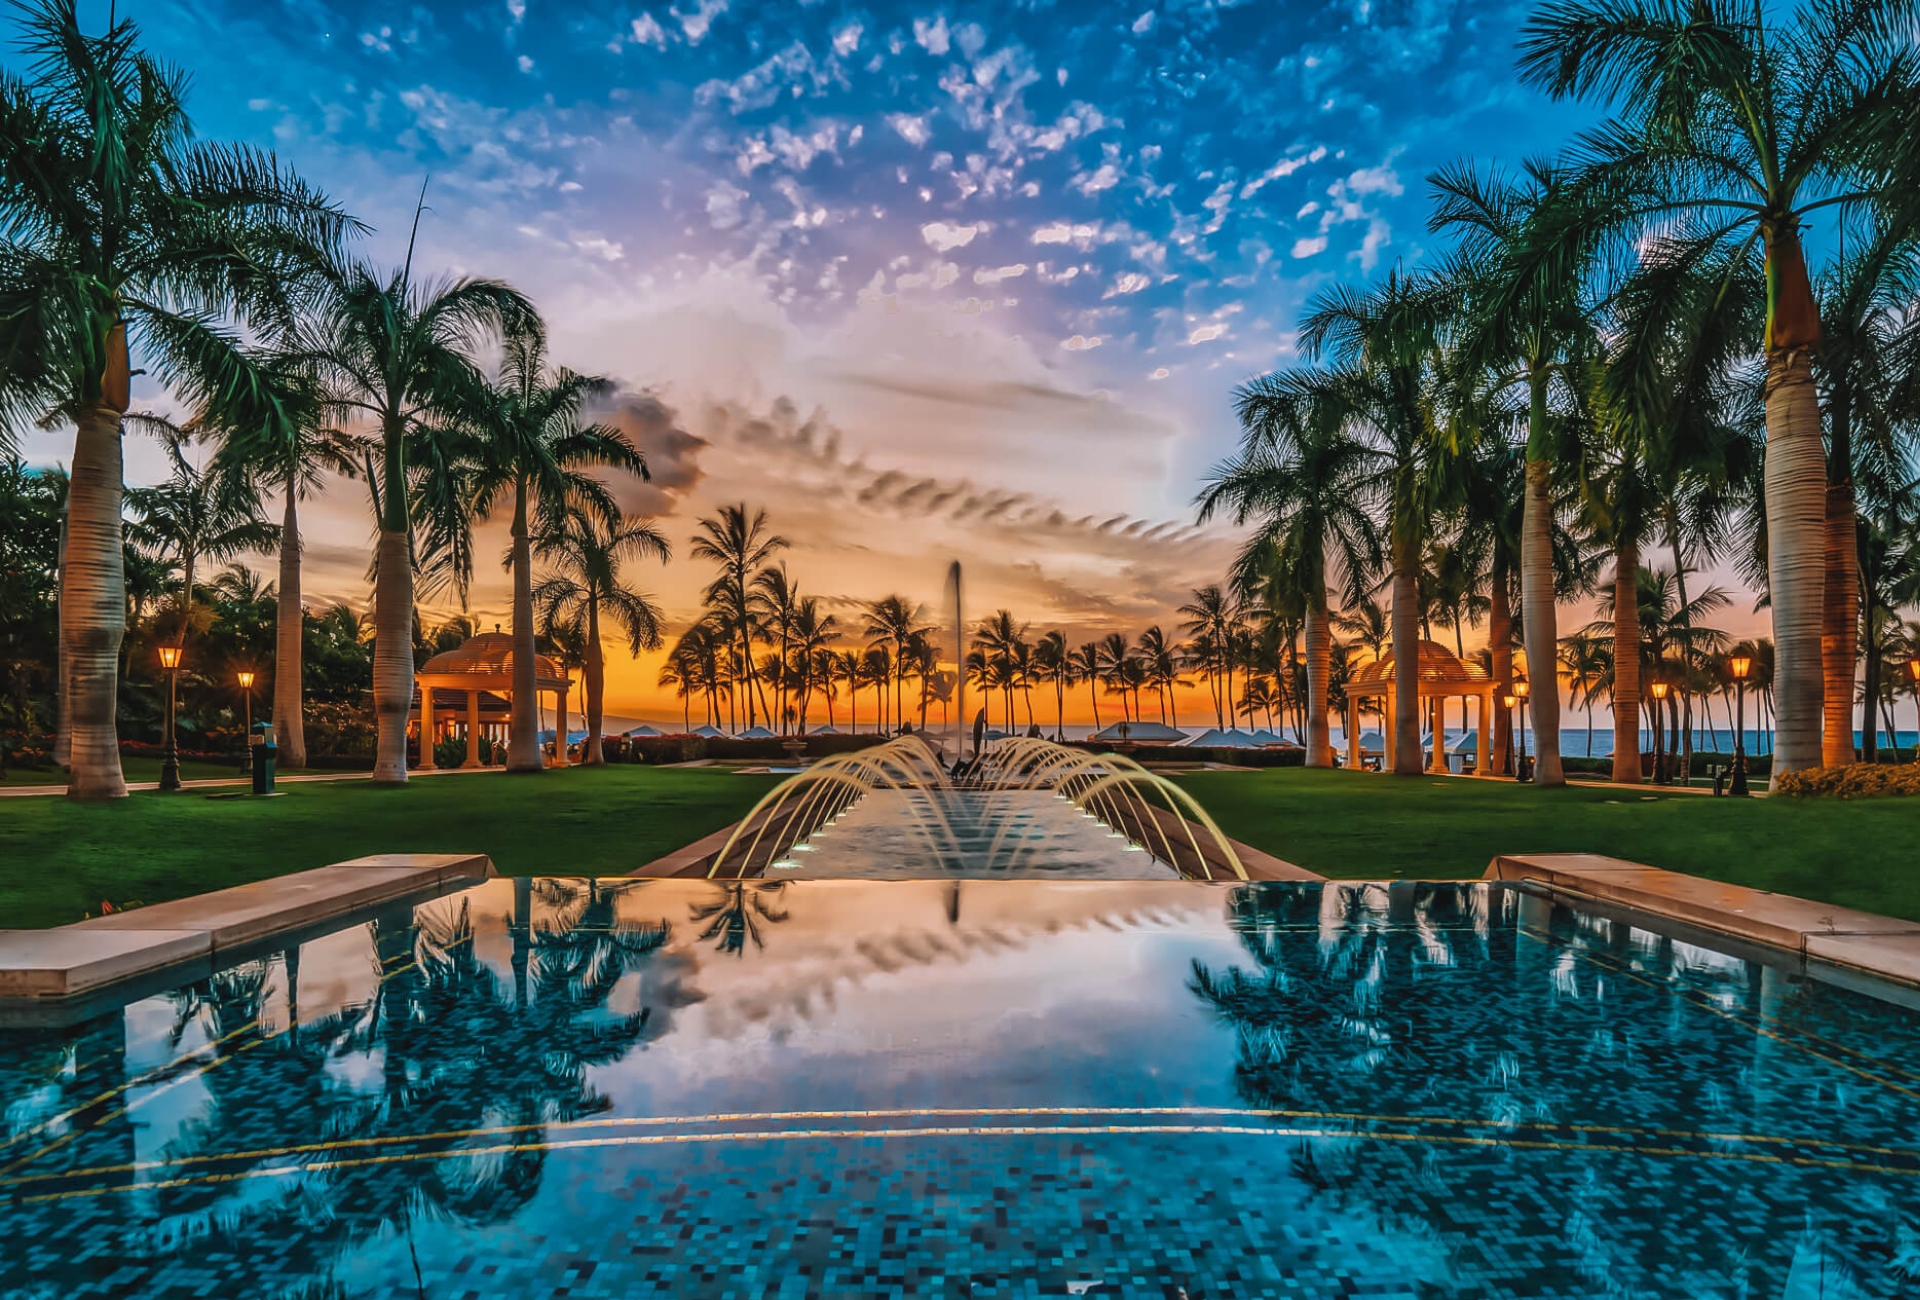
[[1854, 781]]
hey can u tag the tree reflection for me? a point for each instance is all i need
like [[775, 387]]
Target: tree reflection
[[733, 915], [444, 1057]]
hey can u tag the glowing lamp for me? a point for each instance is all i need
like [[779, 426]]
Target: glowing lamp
[[1660, 690], [1507, 700], [169, 657], [246, 681], [1740, 666], [1522, 688]]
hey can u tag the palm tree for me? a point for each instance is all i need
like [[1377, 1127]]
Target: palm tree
[[290, 445], [1584, 664], [522, 438], [120, 228], [893, 621], [397, 353], [1086, 668], [1382, 346], [1053, 662], [196, 514], [586, 554], [847, 664], [806, 635], [1210, 619], [1003, 645], [1308, 484], [776, 600], [1527, 325], [1736, 126], [741, 545], [1115, 657], [1162, 667]]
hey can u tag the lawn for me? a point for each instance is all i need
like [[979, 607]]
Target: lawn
[[1364, 826], [61, 858], [136, 768]]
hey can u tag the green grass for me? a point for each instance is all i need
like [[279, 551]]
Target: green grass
[[61, 858], [1860, 853]]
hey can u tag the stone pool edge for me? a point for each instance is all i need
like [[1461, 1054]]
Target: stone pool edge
[[81, 960], [1831, 940]]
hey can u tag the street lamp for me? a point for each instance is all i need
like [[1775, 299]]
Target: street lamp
[[246, 737], [1739, 666], [1522, 689], [1913, 671], [169, 754], [1660, 690]]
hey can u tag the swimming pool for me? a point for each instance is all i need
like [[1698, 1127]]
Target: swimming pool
[[971, 1087]]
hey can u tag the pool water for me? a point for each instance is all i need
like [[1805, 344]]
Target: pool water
[[1010, 834], [971, 1088]]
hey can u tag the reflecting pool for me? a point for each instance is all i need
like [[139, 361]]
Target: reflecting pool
[[971, 1088]]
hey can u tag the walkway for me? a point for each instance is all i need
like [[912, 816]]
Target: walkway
[[219, 782]]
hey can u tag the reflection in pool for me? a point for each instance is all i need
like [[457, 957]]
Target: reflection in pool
[[971, 1088]]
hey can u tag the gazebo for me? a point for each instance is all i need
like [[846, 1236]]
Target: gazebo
[[481, 665], [1442, 677]]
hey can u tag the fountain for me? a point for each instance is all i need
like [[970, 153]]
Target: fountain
[[1025, 807]]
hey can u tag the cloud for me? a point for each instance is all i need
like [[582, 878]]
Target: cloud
[[1285, 167], [943, 237], [672, 453], [910, 128], [932, 37], [697, 23], [1081, 343], [1305, 247], [1206, 333], [1143, 24], [723, 205], [1127, 282], [995, 275], [648, 31], [1061, 232]]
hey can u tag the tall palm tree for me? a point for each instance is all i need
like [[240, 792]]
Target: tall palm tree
[[847, 664], [893, 622], [1162, 667], [397, 353], [808, 633], [1115, 657], [1210, 617], [1309, 486], [289, 444], [522, 440], [1382, 346], [123, 234], [585, 580], [1086, 668], [1736, 127], [1584, 664], [1053, 662], [1526, 325], [738, 541], [1003, 644], [777, 601]]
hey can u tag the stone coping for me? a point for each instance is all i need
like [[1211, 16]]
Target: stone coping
[[1816, 933], [85, 957]]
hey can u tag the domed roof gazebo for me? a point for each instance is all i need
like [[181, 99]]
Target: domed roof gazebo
[[481, 664], [1442, 676]]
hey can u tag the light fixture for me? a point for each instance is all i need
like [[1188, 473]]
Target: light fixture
[[169, 657], [1740, 666], [1522, 688], [246, 680], [1507, 700], [1660, 690]]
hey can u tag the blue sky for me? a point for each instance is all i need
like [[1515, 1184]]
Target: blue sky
[[924, 280]]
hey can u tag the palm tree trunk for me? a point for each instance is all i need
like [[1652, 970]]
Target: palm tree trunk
[[1500, 651], [63, 689], [594, 669], [93, 589], [523, 725], [1319, 668], [1406, 653], [1539, 613], [1626, 662], [392, 652], [1870, 696], [1094, 696], [1796, 490], [1839, 632], [289, 724]]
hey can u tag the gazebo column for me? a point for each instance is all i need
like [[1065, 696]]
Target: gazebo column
[[1390, 702], [426, 727], [1440, 735], [560, 727], [1483, 759], [1353, 733], [473, 730]]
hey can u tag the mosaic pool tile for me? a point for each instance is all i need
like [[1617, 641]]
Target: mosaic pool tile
[[974, 1089]]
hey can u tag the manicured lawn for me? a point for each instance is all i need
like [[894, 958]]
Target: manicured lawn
[[1862, 853], [61, 859]]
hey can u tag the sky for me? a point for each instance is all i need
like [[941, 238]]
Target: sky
[[925, 282]]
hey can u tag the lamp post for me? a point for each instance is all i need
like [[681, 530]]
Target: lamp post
[[169, 754], [1660, 690], [1739, 666], [1522, 689], [1507, 702], [245, 678]]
